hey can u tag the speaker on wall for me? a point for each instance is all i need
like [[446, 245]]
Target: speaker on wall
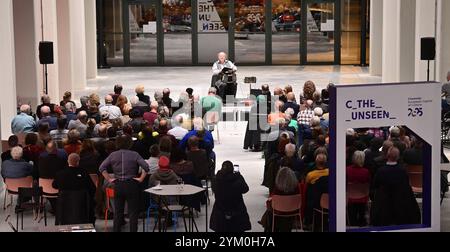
[[46, 52], [428, 49]]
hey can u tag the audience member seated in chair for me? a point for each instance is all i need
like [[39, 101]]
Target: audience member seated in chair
[[16, 167], [164, 175], [394, 202], [313, 193], [73, 183], [199, 158], [229, 213], [286, 184], [358, 178]]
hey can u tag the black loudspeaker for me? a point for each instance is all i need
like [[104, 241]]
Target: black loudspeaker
[[428, 49], [46, 53]]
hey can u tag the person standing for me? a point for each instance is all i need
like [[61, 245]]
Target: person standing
[[229, 212], [125, 166]]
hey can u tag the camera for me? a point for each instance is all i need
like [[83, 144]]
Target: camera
[[236, 168]]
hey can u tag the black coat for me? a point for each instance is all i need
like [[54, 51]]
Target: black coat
[[394, 202], [90, 162], [76, 202], [229, 213]]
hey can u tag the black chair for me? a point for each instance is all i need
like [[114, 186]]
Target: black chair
[[28, 200], [75, 207]]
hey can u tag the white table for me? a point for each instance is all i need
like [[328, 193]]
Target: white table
[[178, 191], [69, 229]]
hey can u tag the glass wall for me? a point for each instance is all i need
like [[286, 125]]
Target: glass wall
[[351, 32], [143, 34], [177, 25], [161, 32], [250, 36], [113, 31], [320, 32], [212, 29], [286, 31]]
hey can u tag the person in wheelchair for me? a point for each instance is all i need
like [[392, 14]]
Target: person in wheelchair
[[224, 76]]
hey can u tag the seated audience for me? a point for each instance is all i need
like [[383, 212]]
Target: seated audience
[[178, 163], [53, 109], [113, 111], [117, 92], [286, 183], [202, 163], [16, 167], [13, 141], [60, 134], [80, 124], [140, 94], [73, 179], [23, 122], [73, 143], [89, 157], [150, 117], [178, 131], [164, 175], [46, 118], [153, 161], [359, 175], [394, 202]]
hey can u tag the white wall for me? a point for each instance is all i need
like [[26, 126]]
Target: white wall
[[376, 37], [8, 104], [26, 46], [91, 38]]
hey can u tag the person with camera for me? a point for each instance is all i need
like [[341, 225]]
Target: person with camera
[[229, 212]]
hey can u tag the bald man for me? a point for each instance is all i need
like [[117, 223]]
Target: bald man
[[75, 179], [220, 65], [23, 122], [46, 118], [113, 111]]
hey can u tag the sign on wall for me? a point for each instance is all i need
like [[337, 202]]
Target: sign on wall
[[208, 17], [413, 106]]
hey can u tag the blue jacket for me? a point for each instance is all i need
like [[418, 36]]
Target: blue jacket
[[16, 169], [207, 143], [23, 123]]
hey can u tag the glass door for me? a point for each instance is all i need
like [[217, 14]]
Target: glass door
[[286, 31], [142, 42], [177, 26], [249, 31], [322, 24]]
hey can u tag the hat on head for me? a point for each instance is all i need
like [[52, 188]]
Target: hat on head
[[164, 163]]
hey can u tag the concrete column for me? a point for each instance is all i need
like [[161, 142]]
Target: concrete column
[[376, 37], [391, 9], [28, 90], [64, 48], [407, 39], [91, 39], [78, 44], [398, 40], [425, 27], [72, 45], [443, 40], [47, 30], [8, 103]]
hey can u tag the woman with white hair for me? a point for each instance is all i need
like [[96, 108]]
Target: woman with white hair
[[140, 94], [16, 167], [286, 183], [360, 175]]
